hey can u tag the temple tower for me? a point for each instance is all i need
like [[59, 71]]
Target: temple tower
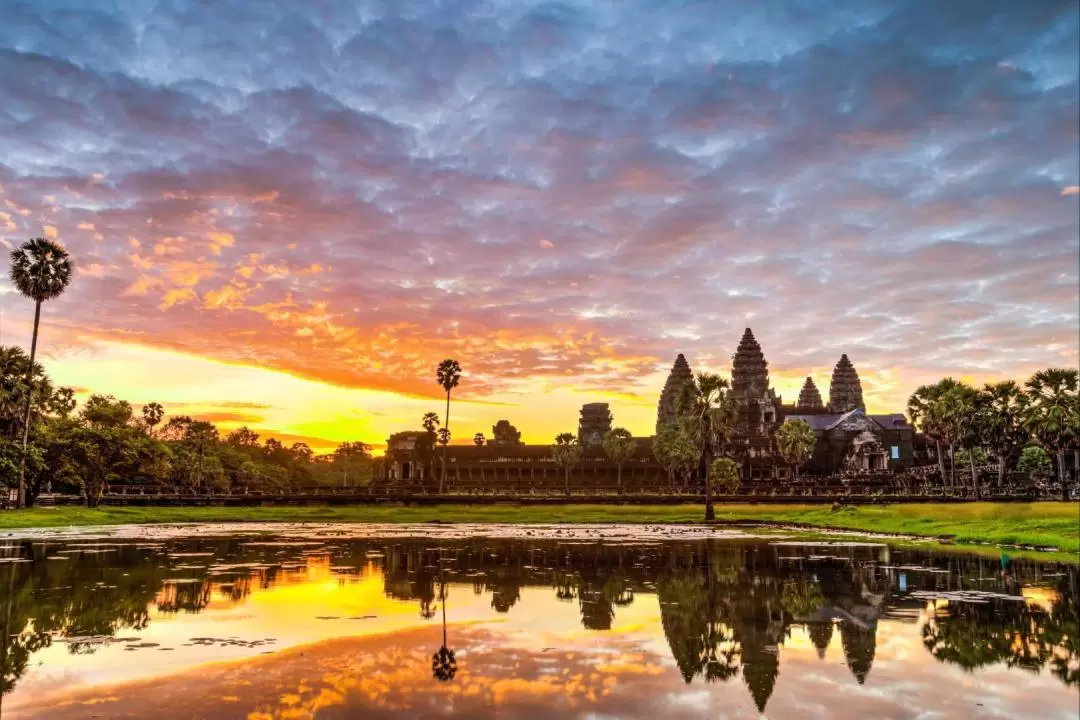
[[680, 373], [594, 424], [809, 397], [749, 369], [845, 390]]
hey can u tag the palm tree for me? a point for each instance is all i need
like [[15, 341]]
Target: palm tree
[[478, 439], [443, 662], [567, 453], [152, 414], [925, 414], [431, 425], [448, 376], [795, 442], [1001, 419], [619, 446], [40, 270], [1053, 416], [709, 417], [958, 410]]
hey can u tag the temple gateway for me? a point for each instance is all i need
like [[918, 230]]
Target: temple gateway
[[850, 441]]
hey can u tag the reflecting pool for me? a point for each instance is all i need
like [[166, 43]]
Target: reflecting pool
[[354, 621]]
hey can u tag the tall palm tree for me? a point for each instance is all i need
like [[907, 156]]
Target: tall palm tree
[[40, 270], [957, 409], [925, 414], [566, 452], [1053, 416], [431, 427], [448, 376], [152, 414], [443, 662], [1001, 418], [709, 414]]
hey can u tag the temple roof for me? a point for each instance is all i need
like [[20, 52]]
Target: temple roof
[[828, 421]]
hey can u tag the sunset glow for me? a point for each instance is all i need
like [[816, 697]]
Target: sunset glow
[[287, 221]]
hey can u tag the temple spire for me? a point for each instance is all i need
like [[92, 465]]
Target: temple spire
[[749, 369], [809, 396], [680, 373], [845, 390]]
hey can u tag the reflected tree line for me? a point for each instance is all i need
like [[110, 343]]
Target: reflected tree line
[[726, 608]]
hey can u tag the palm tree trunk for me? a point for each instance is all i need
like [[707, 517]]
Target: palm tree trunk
[[941, 462], [618, 478], [442, 479], [974, 476], [1061, 473], [952, 464], [1001, 470], [26, 414], [710, 511], [566, 480]]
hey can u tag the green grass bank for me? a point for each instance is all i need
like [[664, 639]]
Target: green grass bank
[[1042, 524]]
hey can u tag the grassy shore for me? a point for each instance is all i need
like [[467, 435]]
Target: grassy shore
[[1046, 524]]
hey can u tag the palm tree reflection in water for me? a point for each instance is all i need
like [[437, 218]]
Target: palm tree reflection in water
[[443, 662]]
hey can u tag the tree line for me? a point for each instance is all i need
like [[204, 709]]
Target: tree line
[[108, 441], [1029, 427]]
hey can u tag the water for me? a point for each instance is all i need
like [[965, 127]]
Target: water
[[342, 622]]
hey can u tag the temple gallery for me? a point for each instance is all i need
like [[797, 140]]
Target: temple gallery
[[848, 439]]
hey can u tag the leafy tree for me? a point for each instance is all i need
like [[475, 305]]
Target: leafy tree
[[567, 453], [243, 437], [976, 456], [152, 414], [619, 446], [675, 451], [725, 474], [40, 270], [176, 428], [1053, 416], [1036, 463], [448, 376], [350, 458], [795, 442], [102, 454], [479, 440], [107, 411]]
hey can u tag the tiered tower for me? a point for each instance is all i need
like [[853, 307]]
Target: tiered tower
[[594, 424], [845, 390], [680, 373], [809, 397], [749, 369]]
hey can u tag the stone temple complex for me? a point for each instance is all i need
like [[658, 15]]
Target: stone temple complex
[[849, 440]]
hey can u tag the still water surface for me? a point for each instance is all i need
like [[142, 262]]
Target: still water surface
[[338, 623]]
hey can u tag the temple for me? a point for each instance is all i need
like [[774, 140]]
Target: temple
[[849, 441]]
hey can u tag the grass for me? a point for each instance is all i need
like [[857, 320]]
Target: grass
[[1045, 524]]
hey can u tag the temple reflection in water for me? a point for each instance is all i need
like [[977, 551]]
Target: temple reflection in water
[[727, 608]]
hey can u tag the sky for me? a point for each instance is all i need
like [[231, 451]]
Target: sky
[[284, 215]]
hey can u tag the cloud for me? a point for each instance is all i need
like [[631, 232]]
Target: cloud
[[552, 200]]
